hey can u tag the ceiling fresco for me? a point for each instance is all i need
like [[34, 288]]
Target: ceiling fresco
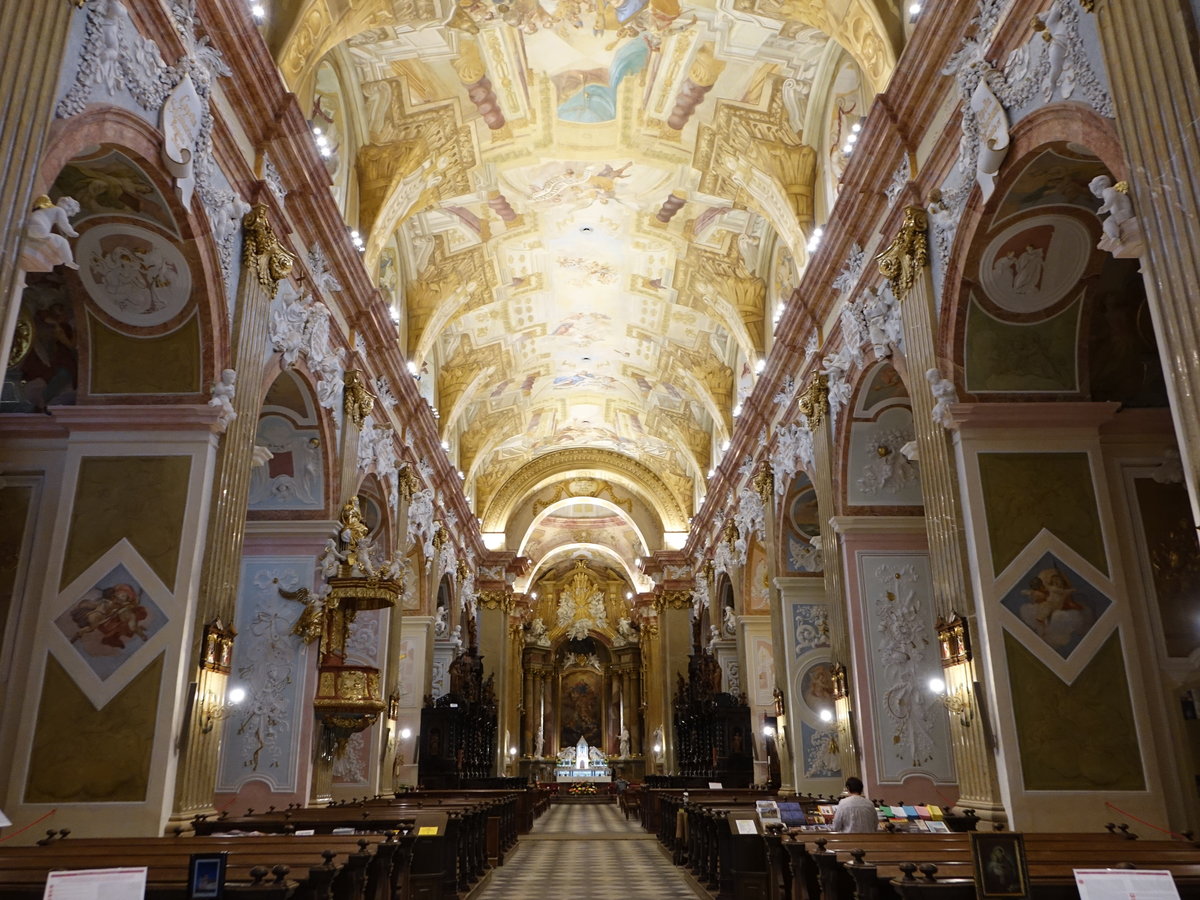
[[586, 213]]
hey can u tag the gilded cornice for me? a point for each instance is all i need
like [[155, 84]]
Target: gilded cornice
[[673, 600], [499, 599], [908, 254], [525, 479], [261, 251]]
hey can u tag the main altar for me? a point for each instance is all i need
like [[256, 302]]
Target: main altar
[[582, 763]]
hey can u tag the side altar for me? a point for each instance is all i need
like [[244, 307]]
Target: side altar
[[582, 763]]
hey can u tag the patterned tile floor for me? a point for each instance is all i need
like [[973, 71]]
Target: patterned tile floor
[[587, 851]]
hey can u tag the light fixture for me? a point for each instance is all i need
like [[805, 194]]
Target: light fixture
[[815, 240], [658, 748], [914, 10], [212, 711], [446, 446], [533, 594], [629, 595], [413, 370], [768, 731], [512, 751], [405, 733], [937, 685], [737, 410], [759, 366], [325, 150], [954, 639], [258, 11], [825, 715], [395, 316], [355, 238]]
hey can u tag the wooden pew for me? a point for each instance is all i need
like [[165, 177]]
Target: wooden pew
[[370, 870]]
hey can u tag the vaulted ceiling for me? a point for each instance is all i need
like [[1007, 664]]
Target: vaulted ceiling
[[586, 217]]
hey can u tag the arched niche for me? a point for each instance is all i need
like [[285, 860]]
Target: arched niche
[[876, 471], [134, 320], [293, 481], [1043, 313], [800, 535]]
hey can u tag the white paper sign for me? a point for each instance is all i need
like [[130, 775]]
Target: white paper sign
[[97, 884], [747, 826], [1125, 884]]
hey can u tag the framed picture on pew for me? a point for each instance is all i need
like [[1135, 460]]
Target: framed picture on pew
[[1000, 865], [206, 876]]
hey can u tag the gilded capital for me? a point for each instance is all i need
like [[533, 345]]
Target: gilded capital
[[814, 401], [730, 534], [461, 570], [261, 251], [359, 400], [440, 537], [764, 482], [406, 483], [904, 258]]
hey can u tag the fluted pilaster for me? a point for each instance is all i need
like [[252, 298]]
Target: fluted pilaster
[[1156, 89], [227, 520], [815, 405], [906, 265]]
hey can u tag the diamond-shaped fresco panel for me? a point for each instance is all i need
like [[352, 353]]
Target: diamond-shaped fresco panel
[[1058, 604], [111, 621]]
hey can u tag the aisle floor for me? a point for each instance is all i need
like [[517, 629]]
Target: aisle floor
[[587, 851]]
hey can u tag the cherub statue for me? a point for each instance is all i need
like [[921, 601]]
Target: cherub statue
[[729, 620], [440, 626], [714, 635], [331, 558], [1121, 229], [537, 634], [456, 640], [43, 249], [944, 393], [223, 392], [625, 630]]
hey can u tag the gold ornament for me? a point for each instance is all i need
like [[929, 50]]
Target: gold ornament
[[764, 482], [22, 341], [261, 251], [908, 253], [359, 400], [814, 401], [406, 483]]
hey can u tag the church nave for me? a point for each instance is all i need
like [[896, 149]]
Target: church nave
[[587, 851]]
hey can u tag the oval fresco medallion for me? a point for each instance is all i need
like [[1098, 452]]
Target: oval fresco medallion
[[1034, 263], [135, 276]]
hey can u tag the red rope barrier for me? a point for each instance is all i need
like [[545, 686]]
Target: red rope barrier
[[9, 837], [1144, 822]]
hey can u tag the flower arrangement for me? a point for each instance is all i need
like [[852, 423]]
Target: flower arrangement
[[579, 789]]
